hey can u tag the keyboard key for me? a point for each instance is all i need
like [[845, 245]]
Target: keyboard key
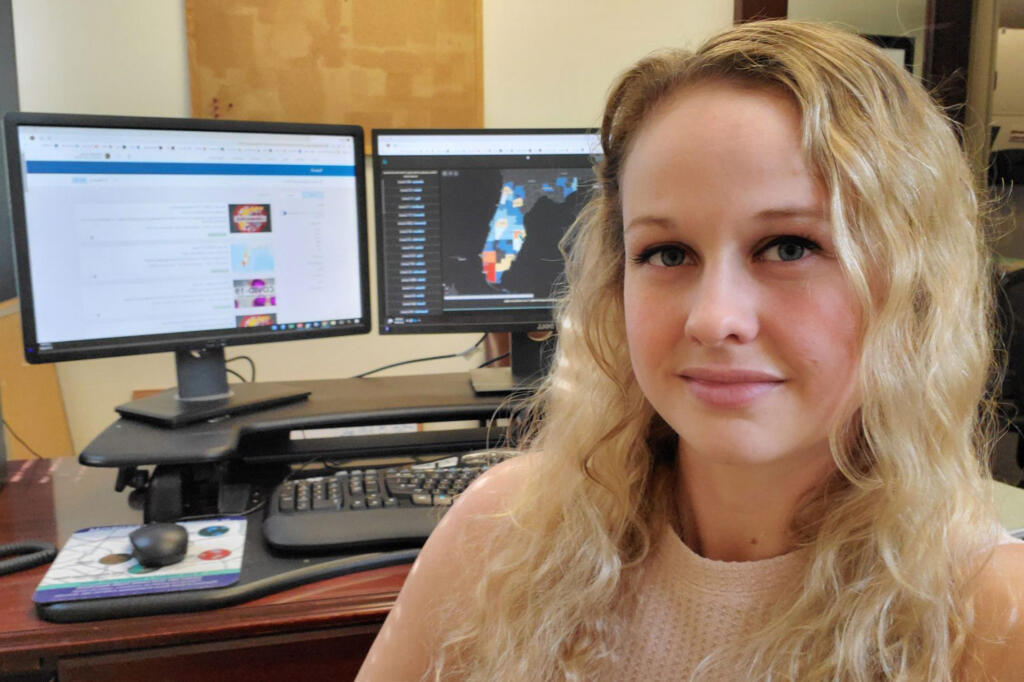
[[397, 488], [325, 503]]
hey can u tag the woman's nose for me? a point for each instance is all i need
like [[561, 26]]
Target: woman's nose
[[723, 306]]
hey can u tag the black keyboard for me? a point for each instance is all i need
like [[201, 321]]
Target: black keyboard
[[362, 509]]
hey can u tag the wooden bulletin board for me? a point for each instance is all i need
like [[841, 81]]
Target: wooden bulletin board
[[375, 63]]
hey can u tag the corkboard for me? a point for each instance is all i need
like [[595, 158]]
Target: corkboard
[[375, 63], [30, 395]]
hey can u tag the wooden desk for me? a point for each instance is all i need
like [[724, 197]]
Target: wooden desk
[[322, 629]]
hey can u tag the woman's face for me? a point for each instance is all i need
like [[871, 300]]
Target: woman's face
[[742, 327]]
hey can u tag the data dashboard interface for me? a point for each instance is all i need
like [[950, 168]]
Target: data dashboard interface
[[469, 225]]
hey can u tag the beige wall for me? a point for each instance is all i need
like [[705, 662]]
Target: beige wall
[[876, 17], [550, 63], [545, 64], [102, 56]]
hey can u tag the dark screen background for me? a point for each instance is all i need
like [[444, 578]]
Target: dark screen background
[[468, 200]]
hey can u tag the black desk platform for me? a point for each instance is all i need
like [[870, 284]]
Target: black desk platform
[[332, 403], [222, 465]]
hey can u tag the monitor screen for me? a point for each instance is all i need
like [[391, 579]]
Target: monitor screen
[[137, 235], [468, 225]]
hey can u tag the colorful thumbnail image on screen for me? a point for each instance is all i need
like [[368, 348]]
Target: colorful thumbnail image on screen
[[250, 218], [261, 320], [255, 293]]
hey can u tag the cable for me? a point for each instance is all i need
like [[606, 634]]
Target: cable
[[202, 517], [26, 555], [20, 440], [293, 472], [405, 362], [463, 354], [252, 365], [493, 360], [231, 371]]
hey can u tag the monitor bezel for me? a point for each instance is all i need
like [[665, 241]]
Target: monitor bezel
[[156, 343], [548, 322]]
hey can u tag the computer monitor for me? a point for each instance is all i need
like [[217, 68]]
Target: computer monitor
[[140, 235], [468, 226]]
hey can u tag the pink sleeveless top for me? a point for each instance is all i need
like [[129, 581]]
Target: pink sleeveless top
[[689, 606]]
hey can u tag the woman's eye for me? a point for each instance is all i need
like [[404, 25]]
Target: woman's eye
[[664, 256], [788, 249]]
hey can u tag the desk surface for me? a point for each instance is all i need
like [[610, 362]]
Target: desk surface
[[50, 499]]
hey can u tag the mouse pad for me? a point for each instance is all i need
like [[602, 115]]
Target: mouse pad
[[97, 563]]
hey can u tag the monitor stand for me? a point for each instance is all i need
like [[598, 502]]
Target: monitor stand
[[203, 393], [528, 364]]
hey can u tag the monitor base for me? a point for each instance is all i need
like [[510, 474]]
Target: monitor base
[[167, 409], [487, 380], [491, 380], [529, 357]]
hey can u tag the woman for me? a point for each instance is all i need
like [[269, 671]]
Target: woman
[[760, 453]]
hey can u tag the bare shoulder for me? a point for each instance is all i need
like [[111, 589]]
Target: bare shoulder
[[492, 491], [476, 519], [998, 645], [445, 575]]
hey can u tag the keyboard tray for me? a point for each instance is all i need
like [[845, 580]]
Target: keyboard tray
[[358, 510], [330, 530]]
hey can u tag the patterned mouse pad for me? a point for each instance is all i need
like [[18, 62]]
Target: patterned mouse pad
[[97, 563]]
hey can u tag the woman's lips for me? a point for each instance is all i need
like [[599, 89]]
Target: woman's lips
[[729, 388]]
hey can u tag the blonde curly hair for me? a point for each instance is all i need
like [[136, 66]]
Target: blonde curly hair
[[895, 535]]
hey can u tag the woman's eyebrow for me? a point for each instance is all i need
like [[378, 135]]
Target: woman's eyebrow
[[805, 212], [808, 213], [649, 221]]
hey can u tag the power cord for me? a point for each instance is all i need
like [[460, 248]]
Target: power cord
[[240, 377], [21, 440], [28, 554], [464, 354], [32, 554], [494, 360], [202, 517], [252, 366]]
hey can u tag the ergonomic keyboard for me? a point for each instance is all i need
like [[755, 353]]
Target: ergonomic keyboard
[[361, 509]]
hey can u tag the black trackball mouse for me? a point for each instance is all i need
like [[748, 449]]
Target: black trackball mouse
[[159, 544]]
